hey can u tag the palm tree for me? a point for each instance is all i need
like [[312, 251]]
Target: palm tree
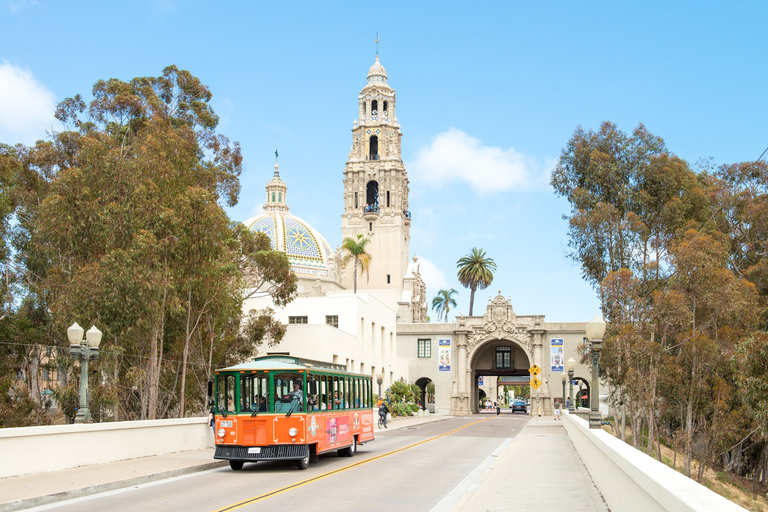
[[443, 302], [475, 272], [357, 253]]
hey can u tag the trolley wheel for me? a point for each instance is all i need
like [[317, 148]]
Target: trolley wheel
[[303, 463], [349, 451], [236, 464]]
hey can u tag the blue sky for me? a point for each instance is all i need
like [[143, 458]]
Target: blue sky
[[487, 92]]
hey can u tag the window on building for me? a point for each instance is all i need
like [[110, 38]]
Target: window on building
[[297, 319], [425, 348], [279, 197], [385, 106], [504, 357], [387, 198], [374, 148], [332, 320], [387, 278], [356, 206], [374, 107], [273, 197], [45, 374]]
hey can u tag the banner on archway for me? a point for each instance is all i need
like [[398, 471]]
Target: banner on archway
[[556, 345], [444, 348]]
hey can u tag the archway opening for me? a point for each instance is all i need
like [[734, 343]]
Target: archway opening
[[581, 392], [500, 375], [373, 153], [427, 399]]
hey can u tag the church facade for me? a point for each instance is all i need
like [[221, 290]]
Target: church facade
[[382, 329]]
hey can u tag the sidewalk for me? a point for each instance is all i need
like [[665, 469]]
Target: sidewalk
[[27, 491], [537, 470]]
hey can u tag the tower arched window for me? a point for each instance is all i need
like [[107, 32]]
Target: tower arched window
[[372, 196], [374, 106], [273, 197], [365, 109], [384, 107], [279, 197], [374, 148]]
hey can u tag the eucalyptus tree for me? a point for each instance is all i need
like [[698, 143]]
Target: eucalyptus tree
[[122, 225], [356, 253], [443, 302], [630, 197], [475, 272]]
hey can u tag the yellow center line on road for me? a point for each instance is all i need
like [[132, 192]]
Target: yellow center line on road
[[270, 494]]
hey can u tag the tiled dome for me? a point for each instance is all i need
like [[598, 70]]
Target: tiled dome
[[377, 73], [307, 250]]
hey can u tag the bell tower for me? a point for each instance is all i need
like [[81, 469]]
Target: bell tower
[[376, 186]]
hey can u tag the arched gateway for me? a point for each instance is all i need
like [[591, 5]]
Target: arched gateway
[[497, 344]]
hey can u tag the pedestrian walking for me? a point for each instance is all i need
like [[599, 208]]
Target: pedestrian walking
[[498, 408], [557, 412]]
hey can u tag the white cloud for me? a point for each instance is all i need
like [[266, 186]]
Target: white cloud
[[433, 278], [20, 5], [26, 106], [456, 156]]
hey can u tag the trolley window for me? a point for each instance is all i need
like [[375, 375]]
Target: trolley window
[[253, 393], [225, 393], [289, 392]]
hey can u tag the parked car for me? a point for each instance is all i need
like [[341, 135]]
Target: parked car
[[519, 405]]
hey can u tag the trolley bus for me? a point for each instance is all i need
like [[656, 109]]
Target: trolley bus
[[287, 408]]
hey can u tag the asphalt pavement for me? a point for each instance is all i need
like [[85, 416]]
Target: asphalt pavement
[[551, 467]]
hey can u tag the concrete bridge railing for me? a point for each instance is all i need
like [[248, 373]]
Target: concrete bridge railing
[[29, 450], [630, 480]]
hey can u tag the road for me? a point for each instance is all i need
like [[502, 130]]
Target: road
[[407, 469]]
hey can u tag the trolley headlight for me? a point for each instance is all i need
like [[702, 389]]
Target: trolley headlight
[[293, 432], [221, 432]]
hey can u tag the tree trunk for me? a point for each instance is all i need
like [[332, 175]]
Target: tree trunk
[[471, 299], [153, 376], [185, 355], [354, 277]]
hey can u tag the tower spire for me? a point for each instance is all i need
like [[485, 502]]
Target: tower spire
[[277, 192]]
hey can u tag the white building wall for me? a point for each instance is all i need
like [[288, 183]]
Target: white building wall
[[365, 341]]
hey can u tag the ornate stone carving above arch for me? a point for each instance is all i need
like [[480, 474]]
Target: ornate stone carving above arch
[[500, 323]]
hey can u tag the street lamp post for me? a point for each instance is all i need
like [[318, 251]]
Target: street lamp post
[[86, 349], [570, 365], [379, 381], [595, 331], [563, 377]]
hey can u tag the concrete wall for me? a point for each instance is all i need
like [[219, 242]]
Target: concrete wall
[[52, 448], [630, 480], [429, 367]]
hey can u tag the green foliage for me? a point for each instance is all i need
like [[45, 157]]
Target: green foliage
[[402, 409], [357, 254], [443, 302], [121, 224], [401, 392], [678, 259], [475, 272]]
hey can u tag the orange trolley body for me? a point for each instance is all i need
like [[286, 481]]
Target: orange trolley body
[[284, 408]]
